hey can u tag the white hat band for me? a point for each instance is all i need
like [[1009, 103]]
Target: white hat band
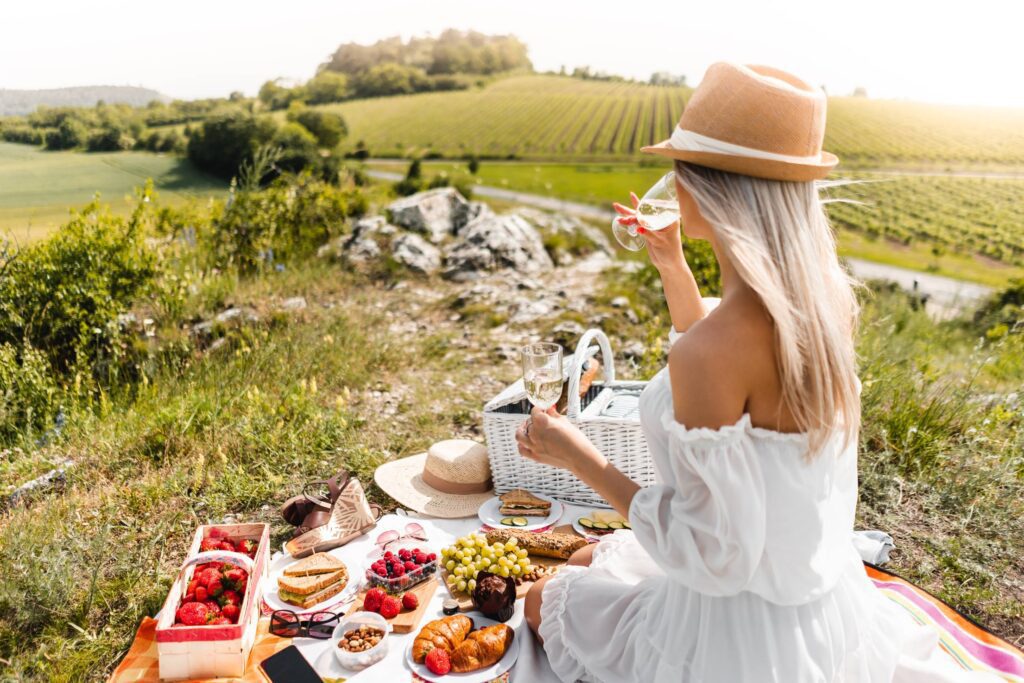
[[695, 142]]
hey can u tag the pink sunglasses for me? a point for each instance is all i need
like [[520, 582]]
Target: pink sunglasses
[[412, 530]]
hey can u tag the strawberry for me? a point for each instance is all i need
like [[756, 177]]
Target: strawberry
[[208, 576], [230, 597], [390, 606], [235, 576], [373, 599], [246, 546], [189, 597], [231, 612], [210, 543], [217, 532], [221, 620], [438, 661], [215, 587], [227, 545], [192, 614], [192, 585], [213, 607], [202, 595], [410, 601]]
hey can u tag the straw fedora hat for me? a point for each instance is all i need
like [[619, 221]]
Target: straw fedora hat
[[752, 120], [452, 479]]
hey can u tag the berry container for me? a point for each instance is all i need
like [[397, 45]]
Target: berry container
[[410, 578], [214, 651], [361, 660]]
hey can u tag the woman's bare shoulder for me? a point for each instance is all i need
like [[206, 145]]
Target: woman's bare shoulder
[[714, 364]]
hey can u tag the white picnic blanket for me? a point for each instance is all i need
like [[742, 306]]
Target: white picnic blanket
[[532, 665]]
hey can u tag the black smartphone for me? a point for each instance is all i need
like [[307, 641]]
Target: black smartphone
[[289, 666]]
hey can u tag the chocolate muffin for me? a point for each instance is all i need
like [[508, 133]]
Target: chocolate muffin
[[495, 596]]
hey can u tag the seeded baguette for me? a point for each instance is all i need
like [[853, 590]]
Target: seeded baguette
[[550, 544]]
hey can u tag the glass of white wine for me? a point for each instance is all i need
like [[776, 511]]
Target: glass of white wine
[[542, 373], [658, 209]]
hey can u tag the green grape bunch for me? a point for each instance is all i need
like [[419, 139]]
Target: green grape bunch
[[471, 555]]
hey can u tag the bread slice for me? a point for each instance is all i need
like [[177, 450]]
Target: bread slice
[[306, 585], [307, 601], [318, 563], [525, 512]]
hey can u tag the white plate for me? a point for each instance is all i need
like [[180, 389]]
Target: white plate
[[277, 568], [481, 676], [490, 515]]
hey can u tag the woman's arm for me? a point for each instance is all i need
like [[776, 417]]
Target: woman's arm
[[665, 249]]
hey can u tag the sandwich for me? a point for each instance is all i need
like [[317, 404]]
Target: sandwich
[[312, 580], [522, 503]]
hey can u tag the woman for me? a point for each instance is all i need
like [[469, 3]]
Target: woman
[[740, 566]]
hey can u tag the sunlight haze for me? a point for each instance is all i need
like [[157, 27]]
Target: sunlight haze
[[938, 52]]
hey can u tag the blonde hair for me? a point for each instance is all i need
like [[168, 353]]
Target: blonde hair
[[779, 239]]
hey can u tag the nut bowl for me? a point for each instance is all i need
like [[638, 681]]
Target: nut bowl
[[362, 658]]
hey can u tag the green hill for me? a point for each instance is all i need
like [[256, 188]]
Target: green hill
[[17, 102], [545, 117], [37, 188]]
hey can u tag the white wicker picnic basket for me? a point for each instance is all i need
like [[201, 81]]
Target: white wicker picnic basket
[[608, 414]]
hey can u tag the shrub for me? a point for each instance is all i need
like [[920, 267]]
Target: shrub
[[291, 218], [328, 127], [390, 79], [326, 87], [298, 148], [109, 140], [23, 134], [70, 134], [28, 392], [1003, 312], [63, 296], [227, 139]]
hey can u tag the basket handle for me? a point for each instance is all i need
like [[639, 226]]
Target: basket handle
[[230, 557], [579, 358]]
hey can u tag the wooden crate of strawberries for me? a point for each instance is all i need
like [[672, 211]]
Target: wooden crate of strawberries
[[208, 623]]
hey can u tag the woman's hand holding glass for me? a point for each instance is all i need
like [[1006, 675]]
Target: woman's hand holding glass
[[551, 439], [664, 247]]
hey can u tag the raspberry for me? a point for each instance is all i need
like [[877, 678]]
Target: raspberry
[[410, 566], [381, 571], [398, 570], [373, 599], [421, 558], [410, 601], [431, 557], [438, 661], [390, 606]]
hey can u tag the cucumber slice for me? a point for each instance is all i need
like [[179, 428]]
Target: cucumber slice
[[508, 521], [520, 521], [625, 525], [586, 522], [600, 526], [615, 525]]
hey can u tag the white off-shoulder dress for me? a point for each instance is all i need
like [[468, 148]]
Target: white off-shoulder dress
[[740, 568]]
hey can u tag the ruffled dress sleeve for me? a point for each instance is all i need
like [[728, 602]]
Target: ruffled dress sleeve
[[706, 529]]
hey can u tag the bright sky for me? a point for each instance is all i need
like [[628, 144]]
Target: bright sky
[[939, 51]]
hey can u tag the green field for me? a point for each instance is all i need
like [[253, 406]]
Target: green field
[[560, 118], [37, 188]]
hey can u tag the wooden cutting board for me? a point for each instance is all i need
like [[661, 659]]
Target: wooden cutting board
[[465, 600], [405, 621]]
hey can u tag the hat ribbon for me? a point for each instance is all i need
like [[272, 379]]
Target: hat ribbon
[[455, 487], [695, 142]]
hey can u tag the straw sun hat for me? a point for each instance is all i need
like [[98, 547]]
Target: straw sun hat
[[753, 120], [452, 479]]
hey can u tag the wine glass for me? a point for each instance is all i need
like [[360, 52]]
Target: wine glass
[[542, 373], [658, 209]]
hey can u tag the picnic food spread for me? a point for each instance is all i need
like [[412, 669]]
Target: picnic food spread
[[312, 580], [464, 650], [522, 503], [549, 544]]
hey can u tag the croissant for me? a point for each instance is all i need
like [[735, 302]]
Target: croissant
[[447, 633], [482, 648]]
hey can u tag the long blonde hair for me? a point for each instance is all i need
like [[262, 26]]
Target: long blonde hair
[[779, 239]]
